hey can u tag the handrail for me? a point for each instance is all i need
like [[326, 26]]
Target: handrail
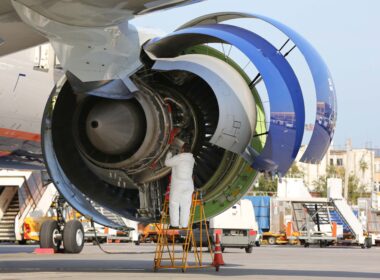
[[28, 196]]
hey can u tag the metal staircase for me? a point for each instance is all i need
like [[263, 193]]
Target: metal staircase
[[346, 213], [28, 195], [300, 216], [319, 212], [313, 216], [309, 214], [7, 223]]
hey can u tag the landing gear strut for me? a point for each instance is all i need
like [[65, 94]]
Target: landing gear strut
[[54, 232]]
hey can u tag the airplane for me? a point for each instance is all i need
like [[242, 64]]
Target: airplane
[[126, 94]]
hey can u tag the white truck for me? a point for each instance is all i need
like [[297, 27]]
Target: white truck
[[237, 226]]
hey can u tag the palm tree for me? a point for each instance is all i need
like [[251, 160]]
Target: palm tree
[[363, 165]]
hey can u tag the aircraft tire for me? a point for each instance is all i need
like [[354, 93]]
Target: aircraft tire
[[73, 237], [48, 230]]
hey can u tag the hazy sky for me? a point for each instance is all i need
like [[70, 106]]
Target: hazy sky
[[345, 33]]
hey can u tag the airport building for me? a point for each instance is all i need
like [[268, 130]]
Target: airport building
[[377, 170], [364, 163]]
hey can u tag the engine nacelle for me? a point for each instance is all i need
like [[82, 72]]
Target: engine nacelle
[[105, 141], [110, 152]]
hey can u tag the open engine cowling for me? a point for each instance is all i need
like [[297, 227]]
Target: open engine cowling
[[109, 150]]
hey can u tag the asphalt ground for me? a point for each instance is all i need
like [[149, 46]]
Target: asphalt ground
[[136, 262]]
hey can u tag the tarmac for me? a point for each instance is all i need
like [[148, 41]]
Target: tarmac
[[135, 262]]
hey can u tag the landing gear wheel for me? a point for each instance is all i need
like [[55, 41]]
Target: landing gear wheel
[[272, 240], [248, 250], [49, 233], [306, 245], [73, 237], [223, 249], [257, 243]]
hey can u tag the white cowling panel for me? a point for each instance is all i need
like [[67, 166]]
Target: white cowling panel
[[237, 110]]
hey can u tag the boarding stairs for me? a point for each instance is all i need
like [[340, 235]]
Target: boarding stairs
[[315, 212], [24, 194], [312, 214], [319, 212], [347, 215], [7, 223]]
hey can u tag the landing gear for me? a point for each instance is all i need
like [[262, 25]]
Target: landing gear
[[73, 237], [53, 232], [50, 236]]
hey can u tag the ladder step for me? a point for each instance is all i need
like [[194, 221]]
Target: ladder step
[[166, 245]]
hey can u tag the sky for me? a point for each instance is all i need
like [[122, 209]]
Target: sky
[[345, 33]]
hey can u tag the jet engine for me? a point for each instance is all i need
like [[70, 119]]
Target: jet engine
[[105, 139]]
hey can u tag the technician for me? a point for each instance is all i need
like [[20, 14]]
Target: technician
[[182, 186]]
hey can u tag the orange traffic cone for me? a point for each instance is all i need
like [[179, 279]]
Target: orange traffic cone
[[218, 258]]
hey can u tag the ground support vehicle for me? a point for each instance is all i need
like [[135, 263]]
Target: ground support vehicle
[[237, 226]]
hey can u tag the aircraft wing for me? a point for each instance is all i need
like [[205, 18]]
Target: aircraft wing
[[15, 35]]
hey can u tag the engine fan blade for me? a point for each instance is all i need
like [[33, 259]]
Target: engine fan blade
[[237, 111]]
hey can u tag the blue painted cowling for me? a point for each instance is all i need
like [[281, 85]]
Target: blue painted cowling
[[287, 116]]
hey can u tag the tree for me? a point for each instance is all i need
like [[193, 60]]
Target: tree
[[320, 185], [267, 184], [333, 171], [353, 184], [355, 190], [295, 172], [363, 165]]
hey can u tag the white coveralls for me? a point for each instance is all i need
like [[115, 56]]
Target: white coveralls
[[181, 189]]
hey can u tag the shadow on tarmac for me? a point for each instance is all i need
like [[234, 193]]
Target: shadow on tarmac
[[142, 266], [15, 249]]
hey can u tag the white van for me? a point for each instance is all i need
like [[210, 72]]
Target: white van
[[237, 226]]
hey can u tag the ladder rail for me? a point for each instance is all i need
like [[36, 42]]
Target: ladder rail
[[166, 240]]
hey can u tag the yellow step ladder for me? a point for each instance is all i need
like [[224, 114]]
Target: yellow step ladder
[[173, 254]]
